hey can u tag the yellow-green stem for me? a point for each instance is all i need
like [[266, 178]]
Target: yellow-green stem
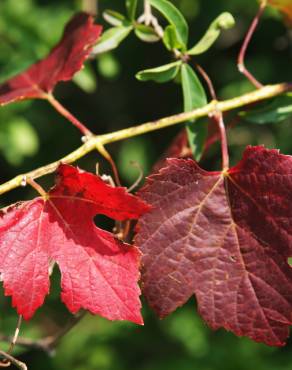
[[93, 142]]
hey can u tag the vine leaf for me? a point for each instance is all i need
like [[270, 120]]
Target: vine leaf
[[99, 272], [61, 64], [225, 237]]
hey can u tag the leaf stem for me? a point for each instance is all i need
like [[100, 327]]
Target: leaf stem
[[69, 116], [217, 116], [208, 81], [101, 149], [36, 187], [263, 93], [241, 57]]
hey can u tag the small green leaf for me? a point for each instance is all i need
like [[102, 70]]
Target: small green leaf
[[175, 18], [223, 22], [170, 39], [194, 94], [111, 39], [276, 111], [131, 6], [113, 18], [146, 33], [194, 97], [160, 74]]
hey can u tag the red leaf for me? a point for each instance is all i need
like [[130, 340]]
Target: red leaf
[[99, 272], [60, 65], [224, 237]]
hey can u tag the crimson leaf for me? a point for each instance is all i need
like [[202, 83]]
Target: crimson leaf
[[225, 237], [61, 64], [99, 272]]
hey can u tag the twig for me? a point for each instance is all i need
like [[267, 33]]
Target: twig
[[150, 20], [147, 13], [52, 341], [16, 334], [36, 187], [217, 116], [12, 360], [208, 81], [241, 57], [139, 178], [263, 93], [46, 344], [69, 116], [101, 149]]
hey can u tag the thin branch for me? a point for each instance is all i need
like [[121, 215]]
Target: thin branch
[[149, 19], [241, 57], [217, 116], [15, 336], [49, 343], [11, 360], [101, 149], [69, 116], [263, 93], [36, 187], [208, 81], [139, 178], [147, 13]]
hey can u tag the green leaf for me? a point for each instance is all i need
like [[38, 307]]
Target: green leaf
[[170, 39], [175, 18], [276, 111], [194, 97], [131, 6], [111, 39], [160, 74], [146, 33], [113, 18], [223, 22], [194, 94]]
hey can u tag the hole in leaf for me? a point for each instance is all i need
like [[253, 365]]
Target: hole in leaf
[[104, 222]]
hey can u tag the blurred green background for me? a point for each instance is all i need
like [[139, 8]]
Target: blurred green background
[[106, 96]]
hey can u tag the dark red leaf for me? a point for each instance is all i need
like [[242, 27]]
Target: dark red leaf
[[60, 65], [224, 237], [99, 272]]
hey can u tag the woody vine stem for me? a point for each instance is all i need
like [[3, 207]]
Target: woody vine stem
[[97, 142]]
